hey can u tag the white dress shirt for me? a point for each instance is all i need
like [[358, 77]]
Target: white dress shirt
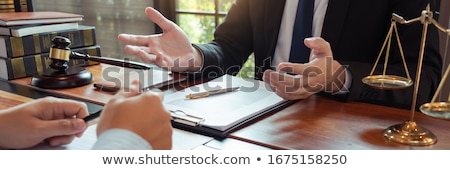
[[120, 139], [283, 47]]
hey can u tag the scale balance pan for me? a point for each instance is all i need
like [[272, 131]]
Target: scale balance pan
[[436, 109], [387, 82]]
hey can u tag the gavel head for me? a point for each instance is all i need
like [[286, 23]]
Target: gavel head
[[60, 53]]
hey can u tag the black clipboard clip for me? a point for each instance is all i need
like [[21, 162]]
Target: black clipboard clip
[[184, 118]]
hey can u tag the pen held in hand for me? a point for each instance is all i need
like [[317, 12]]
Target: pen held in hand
[[210, 92], [97, 114], [92, 116]]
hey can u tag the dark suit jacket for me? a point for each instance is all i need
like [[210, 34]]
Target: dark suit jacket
[[355, 29]]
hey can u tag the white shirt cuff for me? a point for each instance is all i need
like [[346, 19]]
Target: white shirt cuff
[[121, 139], [347, 84]]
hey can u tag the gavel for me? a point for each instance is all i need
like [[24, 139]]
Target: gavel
[[61, 75], [60, 54]]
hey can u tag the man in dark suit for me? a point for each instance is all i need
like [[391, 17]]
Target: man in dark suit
[[354, 29]]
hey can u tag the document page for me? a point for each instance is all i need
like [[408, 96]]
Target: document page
[[224, 110]]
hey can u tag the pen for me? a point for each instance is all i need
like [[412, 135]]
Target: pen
[[92, 116], [106, 88], [112, 88], [211, 92], [97, 114]]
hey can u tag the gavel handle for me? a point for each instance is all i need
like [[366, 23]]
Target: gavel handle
[[119, 62], [112, 61]]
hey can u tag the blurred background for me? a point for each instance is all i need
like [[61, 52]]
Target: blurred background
[[198, 18]]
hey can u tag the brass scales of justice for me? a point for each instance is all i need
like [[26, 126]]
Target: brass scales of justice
[[410, 132]]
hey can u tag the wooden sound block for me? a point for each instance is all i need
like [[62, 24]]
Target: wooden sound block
[[55, 79]]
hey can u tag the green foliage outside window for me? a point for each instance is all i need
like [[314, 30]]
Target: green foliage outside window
[[200, 28]]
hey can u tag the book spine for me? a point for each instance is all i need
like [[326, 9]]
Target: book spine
[[41, 43], [24, 5], [30, 65], [16, 6]]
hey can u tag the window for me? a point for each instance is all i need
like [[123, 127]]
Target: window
[[204, 15], [199, 18], [110, 18]]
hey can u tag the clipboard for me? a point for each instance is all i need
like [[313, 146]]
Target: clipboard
[[196, 127], [219, 115]]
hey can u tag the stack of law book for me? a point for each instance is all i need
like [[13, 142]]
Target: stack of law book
[[20, 24], [16, 5], [25, 41]]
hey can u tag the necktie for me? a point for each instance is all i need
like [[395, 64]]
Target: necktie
[[302, 29]]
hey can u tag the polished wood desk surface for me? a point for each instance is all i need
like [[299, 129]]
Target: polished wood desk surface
[[8, 100], [313, 123], [323, 123]]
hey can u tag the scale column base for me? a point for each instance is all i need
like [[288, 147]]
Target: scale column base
[[411, 134]]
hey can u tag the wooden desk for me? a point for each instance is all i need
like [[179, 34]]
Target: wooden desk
[[87, 92], [314, 123], [322, 123], [182, 140]]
